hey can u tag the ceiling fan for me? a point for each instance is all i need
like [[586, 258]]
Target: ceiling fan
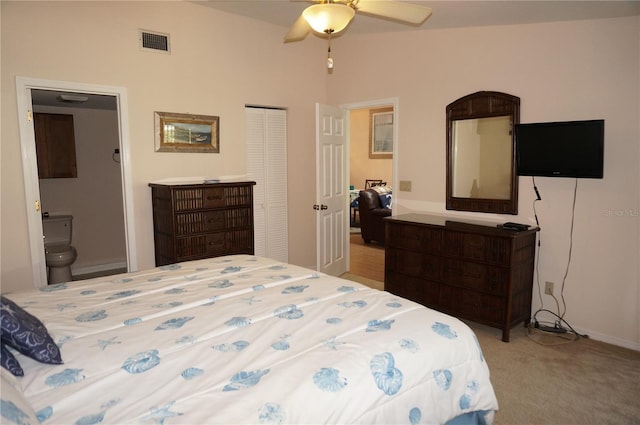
[[332, 16]]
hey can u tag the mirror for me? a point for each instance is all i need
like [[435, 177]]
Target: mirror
[[481, 172]]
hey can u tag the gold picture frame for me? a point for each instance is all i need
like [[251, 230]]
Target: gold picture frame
[[381, 133], [186, 133]]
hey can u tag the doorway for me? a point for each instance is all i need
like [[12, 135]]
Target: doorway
[[367, 260], [107, 249]]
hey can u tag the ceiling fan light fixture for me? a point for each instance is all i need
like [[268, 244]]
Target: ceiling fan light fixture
[[329, 18]]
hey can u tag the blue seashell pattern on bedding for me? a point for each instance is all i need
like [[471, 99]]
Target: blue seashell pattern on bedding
[[245, 339]]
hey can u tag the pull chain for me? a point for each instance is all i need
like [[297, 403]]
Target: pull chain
[[329, 58]]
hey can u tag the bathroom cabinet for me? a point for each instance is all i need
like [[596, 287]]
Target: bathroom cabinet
[[195, 221], [55, 145]]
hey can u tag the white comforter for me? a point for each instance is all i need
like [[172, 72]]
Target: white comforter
[[248, 340]]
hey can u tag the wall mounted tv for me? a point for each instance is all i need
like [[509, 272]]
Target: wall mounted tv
[[561, 149]]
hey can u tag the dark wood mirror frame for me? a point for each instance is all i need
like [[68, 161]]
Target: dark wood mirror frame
[[482, 104]]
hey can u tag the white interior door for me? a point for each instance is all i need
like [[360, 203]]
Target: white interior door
[[331, 190]]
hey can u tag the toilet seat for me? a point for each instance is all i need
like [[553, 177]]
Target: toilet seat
[[57, 254], [57, 249]]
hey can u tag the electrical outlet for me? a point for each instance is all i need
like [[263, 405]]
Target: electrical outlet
[[548, 288], [405, 185]]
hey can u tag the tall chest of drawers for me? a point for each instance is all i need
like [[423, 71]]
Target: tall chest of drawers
[[471, 270], [194, 221]]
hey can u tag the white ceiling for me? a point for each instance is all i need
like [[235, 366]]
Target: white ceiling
[[446, 14]]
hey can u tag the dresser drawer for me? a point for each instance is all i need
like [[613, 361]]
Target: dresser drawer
[[213, 220], [199, 246], [485, 308], [208, 197], [214, 244], [477, 276], [213, 197], [199, 222], [417, 238], [414, 263], [472, 305], [478, 247], [412, 288]]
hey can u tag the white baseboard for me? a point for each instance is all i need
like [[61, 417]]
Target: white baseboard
[[620, 342], [75, 271]]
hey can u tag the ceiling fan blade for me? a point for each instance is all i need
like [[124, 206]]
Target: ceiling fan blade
[[298, 31], [398, 11]]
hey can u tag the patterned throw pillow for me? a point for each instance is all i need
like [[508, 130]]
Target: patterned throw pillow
[[385, 200], [27, 334], [382, 189], [9, 362]]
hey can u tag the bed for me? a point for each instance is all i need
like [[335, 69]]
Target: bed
[[243, 340]]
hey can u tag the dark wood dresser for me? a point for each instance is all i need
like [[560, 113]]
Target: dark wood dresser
[[194, 221], [468, 269]]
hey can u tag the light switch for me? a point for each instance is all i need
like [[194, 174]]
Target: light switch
[[405, 185]]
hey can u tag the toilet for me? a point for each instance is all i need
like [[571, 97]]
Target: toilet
[[59, 254]]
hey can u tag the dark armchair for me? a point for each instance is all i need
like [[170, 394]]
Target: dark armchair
[[372, 226]]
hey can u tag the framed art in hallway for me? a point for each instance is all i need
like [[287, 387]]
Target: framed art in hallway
[[186, 133], [381, 132]]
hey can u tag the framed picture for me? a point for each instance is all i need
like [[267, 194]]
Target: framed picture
[[381, 132], [186, 133]]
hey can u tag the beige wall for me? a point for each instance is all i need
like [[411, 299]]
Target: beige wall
[[561, 71], [361, 166], [218, 63]]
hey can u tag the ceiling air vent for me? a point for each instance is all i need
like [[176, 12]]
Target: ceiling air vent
[[154, 41]]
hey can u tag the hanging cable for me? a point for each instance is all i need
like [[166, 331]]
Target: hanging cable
[[566, 272], [538, 198], [535, 214], [560, 327]]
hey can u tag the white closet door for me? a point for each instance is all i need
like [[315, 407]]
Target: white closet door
[[267, 166]]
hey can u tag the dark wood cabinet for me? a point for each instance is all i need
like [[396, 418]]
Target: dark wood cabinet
[[194, 221], [468, 269], [55, 145]]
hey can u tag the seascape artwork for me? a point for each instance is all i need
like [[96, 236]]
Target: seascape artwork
[[186, 133], [176, 132]]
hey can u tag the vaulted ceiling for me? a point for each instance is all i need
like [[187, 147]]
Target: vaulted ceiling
[[446, 14]]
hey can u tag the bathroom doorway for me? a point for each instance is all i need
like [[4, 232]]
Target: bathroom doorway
[[94, 197], [99, 198]]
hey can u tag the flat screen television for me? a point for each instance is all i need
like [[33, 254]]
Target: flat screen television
[[561, 149]]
